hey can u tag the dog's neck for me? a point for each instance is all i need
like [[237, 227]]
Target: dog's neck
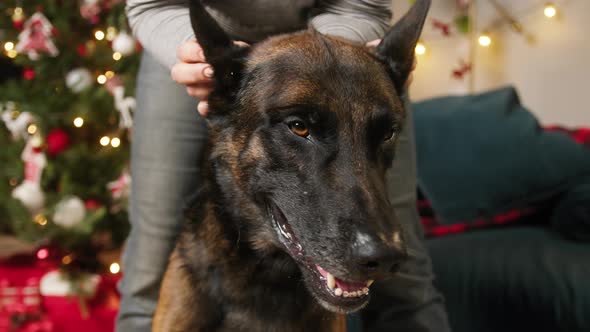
[[256, 290]]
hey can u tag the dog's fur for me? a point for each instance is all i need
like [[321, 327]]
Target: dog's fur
[[302, 130]]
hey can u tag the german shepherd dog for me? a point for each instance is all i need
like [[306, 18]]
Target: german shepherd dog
[[293, 222]]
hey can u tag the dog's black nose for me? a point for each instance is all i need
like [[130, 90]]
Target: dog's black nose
[[375, 257]]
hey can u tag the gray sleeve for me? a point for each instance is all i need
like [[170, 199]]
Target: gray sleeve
[[355, 20], [160, 26]]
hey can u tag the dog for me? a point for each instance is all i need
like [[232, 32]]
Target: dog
[[293, 222]]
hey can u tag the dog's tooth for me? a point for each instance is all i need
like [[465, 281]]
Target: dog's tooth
[[370, 282], [346, 294], [331, 281], [365, 290], [338, 292]]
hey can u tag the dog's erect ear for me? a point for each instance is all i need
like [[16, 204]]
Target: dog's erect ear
[[220, 51], [398, 45]]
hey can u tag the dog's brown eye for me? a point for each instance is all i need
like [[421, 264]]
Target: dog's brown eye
[[299, 128], [390, 134]]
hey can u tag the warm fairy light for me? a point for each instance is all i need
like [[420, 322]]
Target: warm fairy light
[[42, 253], [67, 259], [12, 54], [115, 142], [78, 122], [99, 35], [420, 49], [109, 74], [13, 182], [40, 220], [117, 56], [485, 40], [101, 79], [115, 268], [105, 140], [111, 33], [550, 11], [8, 46], [18, 11], [32, 129]]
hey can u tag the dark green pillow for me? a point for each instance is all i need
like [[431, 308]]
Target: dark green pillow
[[571, 216], [485, 154]]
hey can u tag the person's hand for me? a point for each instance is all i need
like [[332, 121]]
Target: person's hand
[[194, 72], [374, 43]]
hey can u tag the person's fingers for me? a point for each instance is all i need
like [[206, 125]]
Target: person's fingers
[[200, 91], [192, 73], [190, 52], [203, 108], [373, 43]]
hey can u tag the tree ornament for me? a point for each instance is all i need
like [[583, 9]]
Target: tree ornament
[[121, 187], [56, 283], [125, 105], [58, 141], [28, 74], [90, 10], [35, 39], [69, 212], [79, 79], [124, 44], [29, 191], [18, 18], [16, 122]]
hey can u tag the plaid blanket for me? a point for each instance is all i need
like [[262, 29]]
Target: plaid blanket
[[433, 228]]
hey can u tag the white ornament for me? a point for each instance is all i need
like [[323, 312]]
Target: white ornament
[[55, 283], [69, 212], [17, 126], [79, 79], [29, 193], [124, 44], [124, 105]]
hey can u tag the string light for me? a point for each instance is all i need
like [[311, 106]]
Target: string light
[[420, 49], [8, 46], [99, 35], [101, 79], [111, 33], [42, 253], [115, 268], [117, 56], [550, 11], [104, 141], [40, 220], [109, 74], [32, 129], [78, 122], [485, 40], [13, 182], [115, 142], [66, 260]]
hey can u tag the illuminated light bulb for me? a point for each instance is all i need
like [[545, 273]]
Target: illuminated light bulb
[[67, 259], [101, 79], [42, 253], [111, 33], [115, 142], [99, 35], [32, 129], [40, 220], [550, 11], [420, 49], [12, 54], [8, 46], [105, 140], [485, 40], [117, 56], [78, 122], [109, 74], [115, 268]]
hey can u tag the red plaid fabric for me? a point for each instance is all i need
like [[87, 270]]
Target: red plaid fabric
[[433, 227]]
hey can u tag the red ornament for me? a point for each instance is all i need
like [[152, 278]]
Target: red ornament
[[92, 204], [19, 24], [28, 74], [57, 140], [81, 49]]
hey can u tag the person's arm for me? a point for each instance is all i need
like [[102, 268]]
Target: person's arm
[[359, 21], [160, 26]]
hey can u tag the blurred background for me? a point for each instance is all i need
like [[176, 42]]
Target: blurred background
[[502, 147]]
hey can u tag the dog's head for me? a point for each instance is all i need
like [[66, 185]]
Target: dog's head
[[304, 127]]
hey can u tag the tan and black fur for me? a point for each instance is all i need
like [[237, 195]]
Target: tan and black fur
[[231, 270]]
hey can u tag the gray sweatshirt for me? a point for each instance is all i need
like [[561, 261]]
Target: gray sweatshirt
[[162, 25]]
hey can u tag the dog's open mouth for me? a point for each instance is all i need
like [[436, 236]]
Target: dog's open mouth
[[335, 294]]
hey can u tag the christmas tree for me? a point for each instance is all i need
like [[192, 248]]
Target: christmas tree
[[65, 125]]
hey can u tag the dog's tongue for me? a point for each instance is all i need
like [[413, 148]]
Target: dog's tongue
[[347, 286]]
